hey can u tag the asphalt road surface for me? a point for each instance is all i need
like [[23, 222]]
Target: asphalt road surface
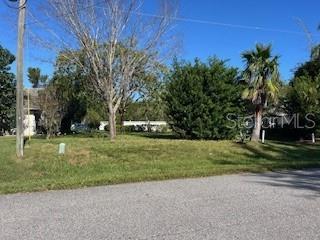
[[282, 205]]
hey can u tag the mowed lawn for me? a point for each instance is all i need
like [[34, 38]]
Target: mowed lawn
[[97, 161]]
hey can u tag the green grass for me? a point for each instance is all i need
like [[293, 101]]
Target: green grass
[[97, 161]]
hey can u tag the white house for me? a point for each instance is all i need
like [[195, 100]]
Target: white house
[[154, 125]]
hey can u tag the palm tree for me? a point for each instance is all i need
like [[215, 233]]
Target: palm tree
[[315, 53], [262, 77], [35, 77]]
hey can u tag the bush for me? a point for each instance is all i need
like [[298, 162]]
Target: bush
[[128, 129], [118, 128], [163, 129], [93, 119], [199, 98]]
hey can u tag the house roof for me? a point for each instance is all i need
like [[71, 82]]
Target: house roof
[[33, 94]]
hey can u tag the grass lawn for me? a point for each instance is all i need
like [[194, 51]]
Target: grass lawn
[[97, 161]]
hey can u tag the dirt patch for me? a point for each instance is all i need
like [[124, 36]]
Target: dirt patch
[[79, 157]]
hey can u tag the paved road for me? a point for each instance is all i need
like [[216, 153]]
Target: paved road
[[266, 206]]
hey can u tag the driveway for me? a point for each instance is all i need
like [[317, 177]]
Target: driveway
[[283, 205]]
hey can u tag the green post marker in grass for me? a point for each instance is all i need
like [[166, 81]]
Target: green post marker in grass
[[263, 135], [62, 148]]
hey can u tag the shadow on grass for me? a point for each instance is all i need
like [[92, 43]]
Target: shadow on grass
[[290, 156], [164, 136], [285, 151], [299, 180]]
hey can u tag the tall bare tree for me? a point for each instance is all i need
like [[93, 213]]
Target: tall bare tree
[[52, 108], [116, 38]]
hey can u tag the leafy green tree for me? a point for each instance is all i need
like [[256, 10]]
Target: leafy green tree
[[92, 118], [315, 53], [70, 80], [310, 68], [146, 110], [147, 102], [7, 91], [199, 98], [262, 77], [35, 77], [304, 93]]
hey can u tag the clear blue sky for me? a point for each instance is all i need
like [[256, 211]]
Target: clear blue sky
[[208, 39]]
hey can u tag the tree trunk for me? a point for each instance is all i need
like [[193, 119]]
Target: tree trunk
[[257, 124], [112, 123], [122, 113]]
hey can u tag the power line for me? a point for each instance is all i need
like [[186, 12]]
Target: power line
[[230, 25], [194, 20], [223, 24]]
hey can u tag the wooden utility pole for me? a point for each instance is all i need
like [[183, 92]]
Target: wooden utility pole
[[29, 128], [19, 90]]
